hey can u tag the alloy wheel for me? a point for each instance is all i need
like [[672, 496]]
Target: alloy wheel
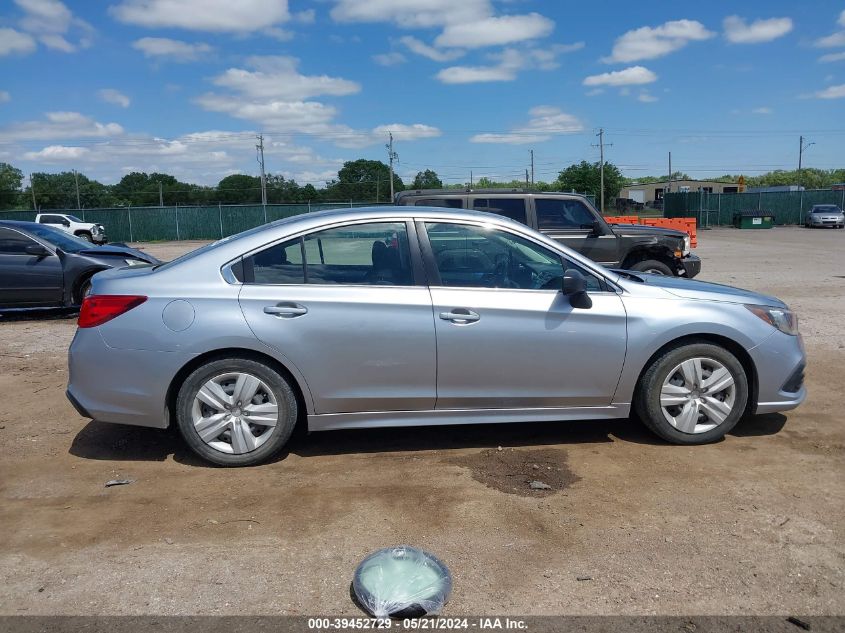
[[235, 412], [698, 395]]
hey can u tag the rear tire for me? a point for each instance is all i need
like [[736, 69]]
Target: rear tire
[[244, 415], [717, 398], [652, 266]]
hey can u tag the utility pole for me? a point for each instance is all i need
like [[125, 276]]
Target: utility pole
[[601, 159], [526, 178], [391, 156], [669, 179], [532, 166], [470, 179], [801, 148], [160, 195], [76, 180], [260, 158], [32, 190]]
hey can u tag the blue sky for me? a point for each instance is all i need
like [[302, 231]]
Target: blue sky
[[182, 86]]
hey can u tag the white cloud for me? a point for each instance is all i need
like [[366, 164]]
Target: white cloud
[[475, 74], [841, 20], [51, 22], [464, 23], [110, 95], [57, 154], [495, 31], [389, 59], [762, 110], [171, 50], [652, 42], [5, 97], [646, 97], [235, 16], [421, 48], [508, 63], [832, 57], [59, 125], [545, 122], [403, 132], [12, 41], [832, 92], [738, 31], [833, 40], [635, 75]]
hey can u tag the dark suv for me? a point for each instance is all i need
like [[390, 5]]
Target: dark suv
[[571, 220]]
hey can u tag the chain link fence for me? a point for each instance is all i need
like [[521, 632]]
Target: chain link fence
[[718, 209]]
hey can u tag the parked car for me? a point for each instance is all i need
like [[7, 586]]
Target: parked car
[[825, 215], [44, 267], [572, 220], [88, 231], [407, 316]]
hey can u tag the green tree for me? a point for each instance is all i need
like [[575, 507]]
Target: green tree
[[364, 179], [239, 189], [585, 177], [58, 191], [427, 179], [10, 186]]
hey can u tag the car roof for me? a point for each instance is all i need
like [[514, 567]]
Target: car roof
[[410, 193], [18, 223]]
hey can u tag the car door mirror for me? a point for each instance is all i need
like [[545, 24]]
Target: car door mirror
[[65, 223], [37, 250], [596, 228], [575, 287]]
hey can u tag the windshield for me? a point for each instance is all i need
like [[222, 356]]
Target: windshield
[[56, 237], [829, 208]]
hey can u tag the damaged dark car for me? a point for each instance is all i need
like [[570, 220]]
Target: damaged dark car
[[44, 267]]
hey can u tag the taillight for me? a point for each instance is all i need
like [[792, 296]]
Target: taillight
[[98, 309]]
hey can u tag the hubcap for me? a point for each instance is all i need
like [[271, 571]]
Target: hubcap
[[235, 412], [698, 395]]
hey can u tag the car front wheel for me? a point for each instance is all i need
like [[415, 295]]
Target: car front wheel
[[652, 266], [693, 394], [236, 411]]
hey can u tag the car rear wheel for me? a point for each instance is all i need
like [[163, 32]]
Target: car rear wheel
[[236, 411], [693, 394], [652, 266]]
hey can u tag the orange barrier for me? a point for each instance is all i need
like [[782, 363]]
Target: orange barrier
[[687, 225]]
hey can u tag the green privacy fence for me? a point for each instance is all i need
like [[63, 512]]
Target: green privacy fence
[[149, 224], [715, 209]]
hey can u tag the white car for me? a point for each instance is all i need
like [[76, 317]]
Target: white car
[[72, 224]]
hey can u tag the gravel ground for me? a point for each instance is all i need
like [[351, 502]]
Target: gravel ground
[[751, 525]]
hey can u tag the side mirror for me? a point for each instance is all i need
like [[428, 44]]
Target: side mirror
[[65, 222], [575, 287], [37, 250], [596, 228]]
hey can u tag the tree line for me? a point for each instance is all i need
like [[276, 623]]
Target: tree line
[[359, 180]]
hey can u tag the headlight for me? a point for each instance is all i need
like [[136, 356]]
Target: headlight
[[784, 320], [687, 245], [135, 262]]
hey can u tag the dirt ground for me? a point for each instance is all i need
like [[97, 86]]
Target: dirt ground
[[751, 525]]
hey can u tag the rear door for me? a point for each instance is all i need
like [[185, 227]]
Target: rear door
[[570, 222], [27, 280], [514, 208], [349, 308]]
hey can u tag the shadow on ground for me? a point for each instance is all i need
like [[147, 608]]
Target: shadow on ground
[[114, 442]]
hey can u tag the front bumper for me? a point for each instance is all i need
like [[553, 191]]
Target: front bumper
[[691, 265], [780, 361], [828, 221]]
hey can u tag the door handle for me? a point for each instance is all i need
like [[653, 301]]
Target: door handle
[[286, 310], [461, 316]]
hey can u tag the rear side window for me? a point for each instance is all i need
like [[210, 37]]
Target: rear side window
[[449, 203], [513, 208], [360, 254], [50, 219], [556, 213]]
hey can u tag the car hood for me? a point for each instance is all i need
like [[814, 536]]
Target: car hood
[[642, 229], [118, 251], [695, 289]]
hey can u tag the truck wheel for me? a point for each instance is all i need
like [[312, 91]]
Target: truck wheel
[[652, 266], [236, 411], [85, 235], [692, 394]]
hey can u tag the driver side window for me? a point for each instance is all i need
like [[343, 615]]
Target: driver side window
[[476, 257]]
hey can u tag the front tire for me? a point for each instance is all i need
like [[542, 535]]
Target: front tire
[[85, 235], [693, 394], [652, 266], [236, 411]]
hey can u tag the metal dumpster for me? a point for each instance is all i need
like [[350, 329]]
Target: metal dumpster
[[754, 219]]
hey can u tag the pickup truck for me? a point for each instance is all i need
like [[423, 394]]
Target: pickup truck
[[71, 224], [573, 221]]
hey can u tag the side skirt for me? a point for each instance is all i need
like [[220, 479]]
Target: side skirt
[[439, 417]]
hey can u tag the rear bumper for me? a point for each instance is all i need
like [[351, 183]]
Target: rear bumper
[[691, 265]]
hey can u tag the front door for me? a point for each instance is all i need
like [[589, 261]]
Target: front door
[[506, 336], [345, 307], [570, 222], [27, 280]]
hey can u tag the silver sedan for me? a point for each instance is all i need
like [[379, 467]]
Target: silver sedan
[[406, 316]]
